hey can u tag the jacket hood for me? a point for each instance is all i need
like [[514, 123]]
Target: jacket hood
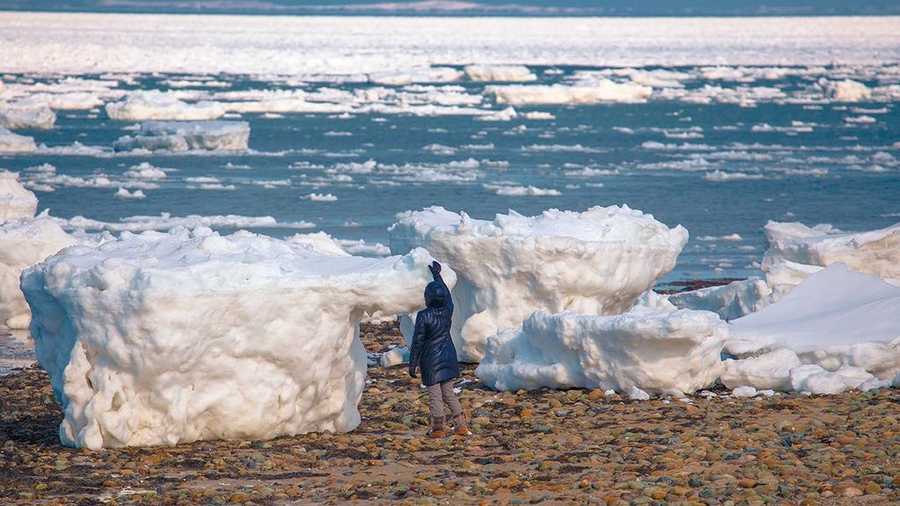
[[435, 294]]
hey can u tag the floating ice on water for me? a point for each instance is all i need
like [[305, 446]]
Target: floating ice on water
[[145, 170], [124, 194], [595, 262], [846, 90], [14, 143], [320, 197], [657, 352], [601, 91], [796, 251], [164, 338], [521, 191], [24, 242], [507, 73], [15, 201], [22, 115], [177, 136], [156, 105]]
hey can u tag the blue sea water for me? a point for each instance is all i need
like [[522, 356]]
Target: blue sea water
[[660, 156]]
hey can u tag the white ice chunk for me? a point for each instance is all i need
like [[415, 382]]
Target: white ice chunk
[[663, 353], [595, 262], [846, 90], [177, 136], [796, 251], [161, 338], [744, 391], [505, 73], [770, 370], [730, 301], [15, 143], [601, 91], [836, 318], [156, 105], [23, 115], [23, 243], [394, 357], [15, 201]]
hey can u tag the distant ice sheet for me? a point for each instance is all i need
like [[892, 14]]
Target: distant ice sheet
[[90, 43]]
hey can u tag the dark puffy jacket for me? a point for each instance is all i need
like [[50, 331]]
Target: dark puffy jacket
[[432, 348]]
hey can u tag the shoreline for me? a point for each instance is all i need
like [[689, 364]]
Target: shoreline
[[550, 446]]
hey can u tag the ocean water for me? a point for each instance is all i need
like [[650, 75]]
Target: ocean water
[[720, 146]]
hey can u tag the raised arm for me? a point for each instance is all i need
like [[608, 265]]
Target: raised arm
[[435, 269]]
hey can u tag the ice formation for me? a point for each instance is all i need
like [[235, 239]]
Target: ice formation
[[15, 201], [595, 262], [796, 251], [672, 353], [508, 73], [14, 116], [24, 242], [156, 105], [835, 319], [161, 338], [730, 301], [176, 136], [15, 143], [846, 90], [601, 91]]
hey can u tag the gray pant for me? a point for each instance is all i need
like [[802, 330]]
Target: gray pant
[[440, 394]]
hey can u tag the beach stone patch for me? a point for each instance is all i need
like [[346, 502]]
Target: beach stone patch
[[842, 449]]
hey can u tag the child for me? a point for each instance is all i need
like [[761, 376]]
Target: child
[[433, 352]]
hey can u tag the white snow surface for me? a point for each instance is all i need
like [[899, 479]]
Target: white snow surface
[[596, 262], [161, 338], [24, 242], [672, 353], [601, 91], [17, 115], [15, 201], [836, 318], [157, 105], [180, 136], [507, 73], [796, 251], [730, 301], [14, 143], [44, 42]]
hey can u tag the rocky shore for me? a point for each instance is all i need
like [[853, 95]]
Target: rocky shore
[[572, 446]]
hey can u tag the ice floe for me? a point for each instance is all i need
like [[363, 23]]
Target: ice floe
[[17, 115], [118, 328], [506, 73], [180, 136], [601, 91], [15, 200], [673, 353], [14, 143], [595, 262], [156, 105]]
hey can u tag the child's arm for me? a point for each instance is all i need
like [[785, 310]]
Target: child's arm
[[435, 269], [415, 349]]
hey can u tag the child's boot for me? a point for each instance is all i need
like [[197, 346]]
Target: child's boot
[[437, 428], [462, 425]]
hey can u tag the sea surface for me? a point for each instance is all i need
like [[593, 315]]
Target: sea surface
[[723, 144]]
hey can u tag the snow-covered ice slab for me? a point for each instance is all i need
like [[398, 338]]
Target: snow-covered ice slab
[[796, 251], [15, 200], [730, 301], [836, 318], [672, 353], [38, 116], [502, 73], [15, 143], [595, 93], [595, 262], [161, 338], [179, 136], [24, 242], [156, 105]]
